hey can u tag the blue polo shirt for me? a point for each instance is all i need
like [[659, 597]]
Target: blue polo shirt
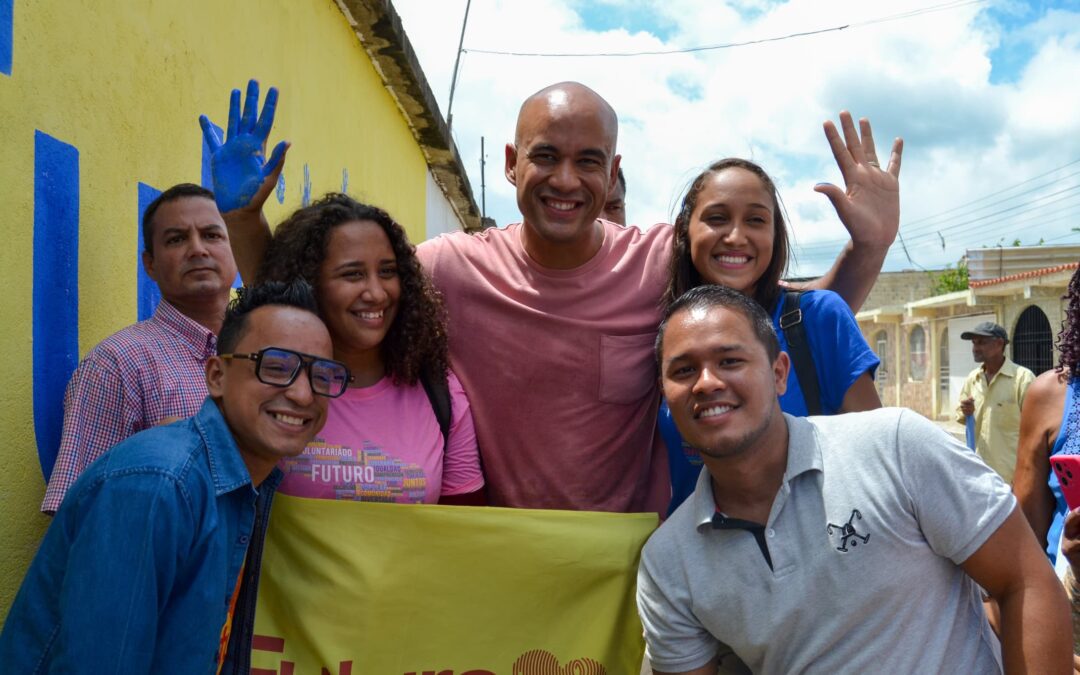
[[136, 571]]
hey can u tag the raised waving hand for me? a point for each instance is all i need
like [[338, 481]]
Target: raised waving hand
[[243, 176], [868, 206]]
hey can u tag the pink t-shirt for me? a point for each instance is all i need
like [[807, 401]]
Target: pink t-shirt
[[383, 444], [559, 366]]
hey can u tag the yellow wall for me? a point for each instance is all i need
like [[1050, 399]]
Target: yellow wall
[[124, 82]]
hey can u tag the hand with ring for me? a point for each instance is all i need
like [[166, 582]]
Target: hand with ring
[[869, 204]]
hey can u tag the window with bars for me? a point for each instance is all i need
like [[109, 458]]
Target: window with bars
[[917, 354], [1033, 341], [943, 369], [881, 348]]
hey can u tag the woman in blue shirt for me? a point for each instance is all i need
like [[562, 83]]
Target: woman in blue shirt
[[1050, 425], [731, 231]]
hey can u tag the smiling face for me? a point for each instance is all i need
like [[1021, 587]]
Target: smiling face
[[359, 289], [731, 230], [562, 163], [719, 382], [270, 422], [189, 257]]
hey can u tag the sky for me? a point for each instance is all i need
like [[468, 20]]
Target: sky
[[985, 93]]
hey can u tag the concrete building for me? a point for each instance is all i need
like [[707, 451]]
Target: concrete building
[[923, 360]]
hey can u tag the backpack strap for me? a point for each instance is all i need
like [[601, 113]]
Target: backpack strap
[[438, 393], [799, 350]]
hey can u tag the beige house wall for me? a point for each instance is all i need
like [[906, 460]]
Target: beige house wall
[[887, 378], [897, 384], [899, 288], [917, 392]]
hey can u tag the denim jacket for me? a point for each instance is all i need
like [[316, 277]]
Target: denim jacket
[[136, 572]]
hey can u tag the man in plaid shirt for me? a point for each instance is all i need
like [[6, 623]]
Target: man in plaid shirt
[[153, 370]]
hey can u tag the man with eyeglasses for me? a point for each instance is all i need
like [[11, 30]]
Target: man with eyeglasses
[[151, 565], [152, 371]]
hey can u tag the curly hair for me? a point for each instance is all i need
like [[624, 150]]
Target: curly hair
[[1068, 340], [416, 343], [682, 275]]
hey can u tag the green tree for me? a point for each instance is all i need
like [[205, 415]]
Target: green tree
[[1017, 242], [950, 279]]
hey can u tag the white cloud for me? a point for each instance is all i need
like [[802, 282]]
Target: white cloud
[[927, 78]]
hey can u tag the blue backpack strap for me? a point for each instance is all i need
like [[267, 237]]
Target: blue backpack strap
[[799, 350]]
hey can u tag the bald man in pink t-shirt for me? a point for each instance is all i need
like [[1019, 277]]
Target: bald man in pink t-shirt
[[552, 319]]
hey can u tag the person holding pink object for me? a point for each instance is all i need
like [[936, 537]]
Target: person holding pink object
[[1050, 426], [1070, 549]]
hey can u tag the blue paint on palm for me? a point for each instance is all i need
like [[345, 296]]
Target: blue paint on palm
[[237, 176], [281, 188], [239, 165], [55, 308], [305, 198], [147, 292]]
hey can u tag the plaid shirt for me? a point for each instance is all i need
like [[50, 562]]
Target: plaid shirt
[[129, 382]]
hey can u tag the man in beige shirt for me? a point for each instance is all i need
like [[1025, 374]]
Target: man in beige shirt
[[993, 394]]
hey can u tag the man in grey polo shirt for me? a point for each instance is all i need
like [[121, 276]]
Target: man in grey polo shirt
[[854, 543]]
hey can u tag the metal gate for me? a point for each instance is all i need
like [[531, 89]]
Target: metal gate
[[944, 404], [1033, 342]]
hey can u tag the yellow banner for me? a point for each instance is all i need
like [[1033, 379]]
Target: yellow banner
[[352, 588]]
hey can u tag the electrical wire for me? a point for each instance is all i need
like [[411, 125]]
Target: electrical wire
[[925, 230], [895, 253], [729, 45], [997, 193], [1072, 211]]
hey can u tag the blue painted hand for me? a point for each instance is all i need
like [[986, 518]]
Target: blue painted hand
[[243, 177]]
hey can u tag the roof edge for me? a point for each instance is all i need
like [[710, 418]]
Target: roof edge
[[379, 30], [1029, 274]]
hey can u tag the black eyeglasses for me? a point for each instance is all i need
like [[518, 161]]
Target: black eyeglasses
[[279, 367]]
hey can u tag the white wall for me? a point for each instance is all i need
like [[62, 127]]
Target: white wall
[[440, 215]]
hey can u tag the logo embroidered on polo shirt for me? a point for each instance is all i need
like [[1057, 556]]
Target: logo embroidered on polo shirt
[[849, 536]]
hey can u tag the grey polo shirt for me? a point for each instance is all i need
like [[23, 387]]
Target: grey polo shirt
[[875, 514]]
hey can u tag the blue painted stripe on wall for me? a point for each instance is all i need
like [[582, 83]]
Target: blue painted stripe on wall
[[149, 295], [55, 313], [7, 32]]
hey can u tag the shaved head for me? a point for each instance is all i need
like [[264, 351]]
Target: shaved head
[[566, 98], [562, 162]]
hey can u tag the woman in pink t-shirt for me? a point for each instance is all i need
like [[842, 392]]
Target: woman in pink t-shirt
[[382, 440]]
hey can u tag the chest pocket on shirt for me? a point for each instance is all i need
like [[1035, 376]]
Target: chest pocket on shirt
[[627, 368], [1004, 413]]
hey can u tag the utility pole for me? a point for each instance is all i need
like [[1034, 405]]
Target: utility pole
[[483, 191], [457, 62]]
